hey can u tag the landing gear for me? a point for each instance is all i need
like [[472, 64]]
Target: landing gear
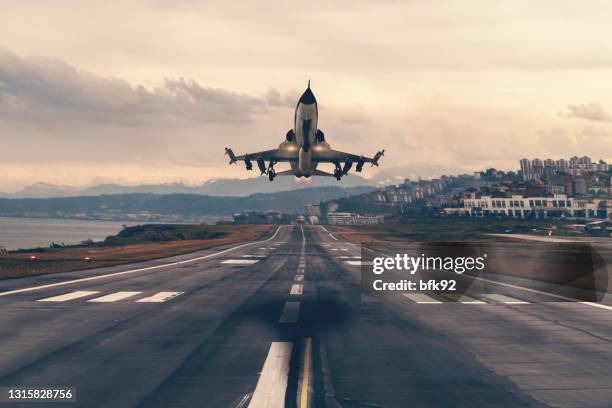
[[338, 171], [271, 171]]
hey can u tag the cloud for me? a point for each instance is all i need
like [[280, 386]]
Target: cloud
[[42, 89], [274, 98], [590, 111]]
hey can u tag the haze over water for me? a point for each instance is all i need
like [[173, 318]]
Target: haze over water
[[16, 233]]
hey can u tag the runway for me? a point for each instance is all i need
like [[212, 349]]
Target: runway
[[282, 322]]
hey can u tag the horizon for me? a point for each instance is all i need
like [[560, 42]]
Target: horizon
[[96, 182]]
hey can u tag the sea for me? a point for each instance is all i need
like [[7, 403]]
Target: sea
[[25, 233]]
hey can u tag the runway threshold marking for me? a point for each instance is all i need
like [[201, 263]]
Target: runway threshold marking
[[240, 261], [148, 268], [272, 384], [113, 297], [291, 312], [566, 298], [69, 296], [467, 300], [358, 263], [296, 289], [509, 285], [159, 297], [422, 298], [305, 384]]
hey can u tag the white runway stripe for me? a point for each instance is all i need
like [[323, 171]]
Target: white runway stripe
[[359, 263], [296, 289], [299, 278], [455, 297], [159, 297], [471, 301], [291, 312], [113, 297], [240, 261], [272, 385], [69, 296], [506, 299], [421, 298]]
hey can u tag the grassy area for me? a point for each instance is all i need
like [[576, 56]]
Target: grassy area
[[132, 244], [446, 229]]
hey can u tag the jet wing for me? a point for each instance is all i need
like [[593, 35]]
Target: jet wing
[[335, 156], [275, 155], [271, 156]]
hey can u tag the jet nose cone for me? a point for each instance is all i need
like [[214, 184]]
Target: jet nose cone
[[307, 97]]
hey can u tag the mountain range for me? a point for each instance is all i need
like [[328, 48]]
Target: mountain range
[[233, 187]]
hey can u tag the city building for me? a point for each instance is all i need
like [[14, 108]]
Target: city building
[[525, 169], [576, 166], [348, 218], [517, 206]]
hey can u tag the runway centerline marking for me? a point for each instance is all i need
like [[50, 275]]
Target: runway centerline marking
[[299, 278], [422, 298], [159, 297], [272, 384], [69, 296], [148, 268], [113, 297], [297, 289], [291, 312]]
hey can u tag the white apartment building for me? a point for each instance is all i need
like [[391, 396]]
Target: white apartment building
[[347, 218], [518, 206]]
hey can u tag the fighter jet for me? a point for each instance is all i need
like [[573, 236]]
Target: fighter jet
[[304, 148]]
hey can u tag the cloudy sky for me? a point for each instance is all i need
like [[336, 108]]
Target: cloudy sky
[[151, 91]]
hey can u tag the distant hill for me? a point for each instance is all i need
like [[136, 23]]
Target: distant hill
[[396, 175], [216, 187], [147, 206], [233, 187]]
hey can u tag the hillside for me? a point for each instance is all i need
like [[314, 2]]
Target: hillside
[[186, 207]]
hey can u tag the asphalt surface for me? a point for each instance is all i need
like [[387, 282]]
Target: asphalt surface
[[283, 323]]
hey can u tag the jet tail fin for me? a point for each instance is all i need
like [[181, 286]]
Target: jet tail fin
[[377, 157], [231, 155]]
